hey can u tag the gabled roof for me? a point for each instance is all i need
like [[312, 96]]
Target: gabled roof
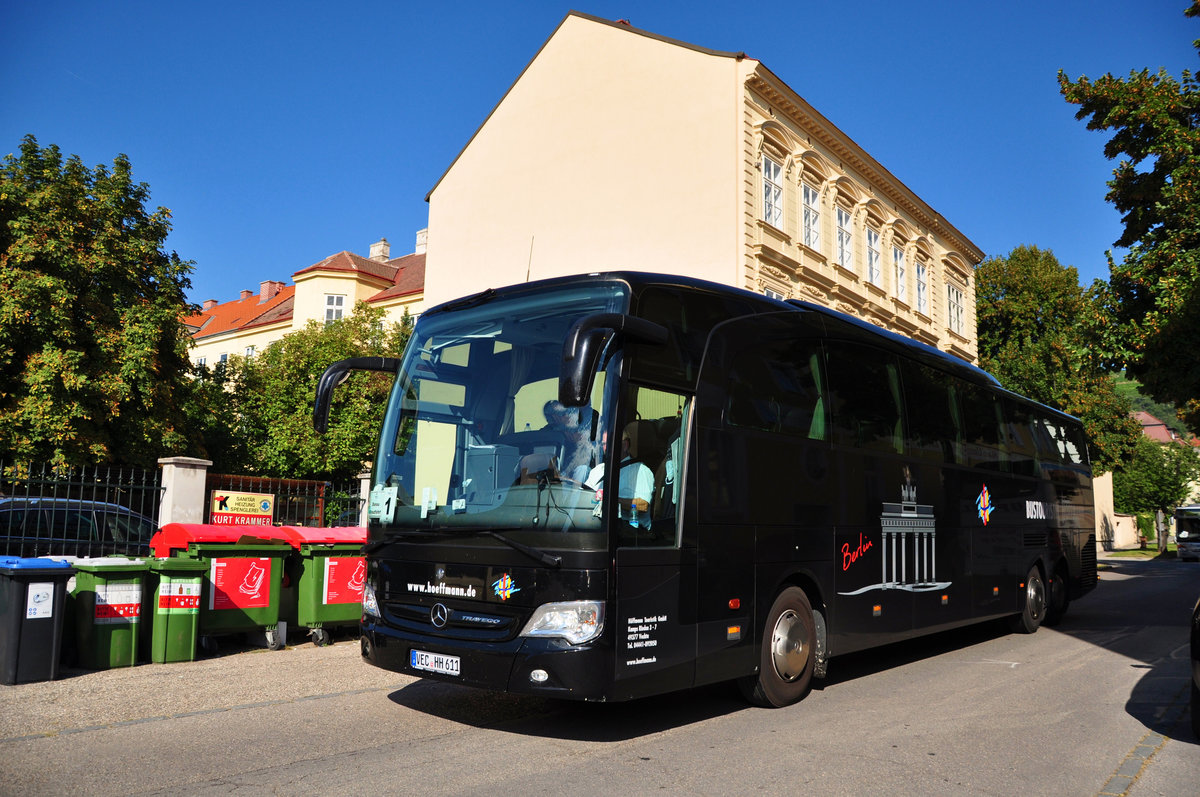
[[398, 277], [409, 279], [241, 313], [350, 263], [1154, 428]]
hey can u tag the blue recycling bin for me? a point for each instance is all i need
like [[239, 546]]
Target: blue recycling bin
[[32, 605]]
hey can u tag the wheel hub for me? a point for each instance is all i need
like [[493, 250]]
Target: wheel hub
[[789, 646]]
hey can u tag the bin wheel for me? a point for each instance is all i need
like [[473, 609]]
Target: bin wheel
[[321, 637], [275, 640], [208, 645]]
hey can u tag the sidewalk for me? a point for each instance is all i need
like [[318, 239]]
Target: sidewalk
[[82, 699]]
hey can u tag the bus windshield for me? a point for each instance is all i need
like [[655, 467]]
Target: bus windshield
[[474, 437]]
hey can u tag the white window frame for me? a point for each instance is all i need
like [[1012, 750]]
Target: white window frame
[[845, 238], [335, 307], [900, 273], [773, 294], [249, 352], [874, 267], [810, 215], [201, 362], [772, 178], [954, 308], [922, 276]]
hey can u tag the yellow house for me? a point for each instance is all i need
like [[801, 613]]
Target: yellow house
[[324, 291], [619, 149]]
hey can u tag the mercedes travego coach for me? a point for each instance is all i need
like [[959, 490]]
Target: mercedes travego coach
[[615, 485]]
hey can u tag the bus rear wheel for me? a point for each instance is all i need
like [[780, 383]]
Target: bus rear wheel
[[787, 653], [1033, 609], [1058, 599]]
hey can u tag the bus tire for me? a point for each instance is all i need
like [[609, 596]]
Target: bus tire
[[1057, 598], [1033, 606], [787, 653]]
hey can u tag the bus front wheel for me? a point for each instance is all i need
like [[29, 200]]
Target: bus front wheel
[[1033, 608], [787, 653]]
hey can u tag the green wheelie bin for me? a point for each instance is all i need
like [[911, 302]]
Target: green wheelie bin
[[244, 571], [107, 595], [173, 589], [324, 578]]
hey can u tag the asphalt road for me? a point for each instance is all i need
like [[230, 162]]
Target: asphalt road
[[1095, 706]]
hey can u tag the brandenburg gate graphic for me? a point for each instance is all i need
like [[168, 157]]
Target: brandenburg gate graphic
[[908, 555]]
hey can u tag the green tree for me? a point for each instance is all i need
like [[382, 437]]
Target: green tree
[[91, 348], [273, 396], [1157, 479], [1033, 336], [1154, 293]]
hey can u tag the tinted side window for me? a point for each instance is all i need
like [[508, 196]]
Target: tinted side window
[[864, 391], [983, 440], [1018, 432], [775, 386], [689, 315], [934, 421]]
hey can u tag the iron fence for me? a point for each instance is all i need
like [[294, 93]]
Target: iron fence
[[91, 510]]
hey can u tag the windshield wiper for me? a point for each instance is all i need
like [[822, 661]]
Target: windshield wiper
[[548, 559], [394, 536]]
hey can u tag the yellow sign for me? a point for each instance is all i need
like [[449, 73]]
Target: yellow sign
[[241, 509]]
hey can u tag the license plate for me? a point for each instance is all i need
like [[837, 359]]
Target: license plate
[[434, 662]]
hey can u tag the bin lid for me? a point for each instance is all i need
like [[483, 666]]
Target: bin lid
[[175, 564], [9, 564], [343, 535], [93, 563], [179, 536]]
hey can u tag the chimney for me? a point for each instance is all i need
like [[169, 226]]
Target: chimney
[[381, 250], [422, 241], [208, 305], [267, 290], [245, 295]]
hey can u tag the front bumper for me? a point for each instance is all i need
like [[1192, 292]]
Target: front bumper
[[573, 672]]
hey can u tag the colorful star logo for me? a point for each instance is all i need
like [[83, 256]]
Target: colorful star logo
[[984, 504], [504, 587]]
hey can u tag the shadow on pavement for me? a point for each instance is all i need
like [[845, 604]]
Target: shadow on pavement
[[1133, 595]]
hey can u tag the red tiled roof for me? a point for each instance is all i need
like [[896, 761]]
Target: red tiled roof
[[354, 264], [240, 313], [1154, 428], [404, 276], [409, 279]]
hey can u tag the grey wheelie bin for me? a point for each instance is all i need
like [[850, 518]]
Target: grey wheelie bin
[[32, 605]]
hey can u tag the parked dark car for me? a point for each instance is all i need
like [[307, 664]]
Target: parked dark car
[[1196, 670], [70, 527]]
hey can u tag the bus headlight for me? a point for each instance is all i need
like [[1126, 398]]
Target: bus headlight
[[369, 604], [575, 621]]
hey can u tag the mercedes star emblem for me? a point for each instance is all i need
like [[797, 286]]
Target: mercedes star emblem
[[438, 615]]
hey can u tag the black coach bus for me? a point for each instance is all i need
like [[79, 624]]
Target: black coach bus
[[610, 486]]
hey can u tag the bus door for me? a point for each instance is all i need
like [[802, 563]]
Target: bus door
[[654, 620]]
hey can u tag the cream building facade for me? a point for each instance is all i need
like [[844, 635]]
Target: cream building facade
[[620, 149], [324, 291]]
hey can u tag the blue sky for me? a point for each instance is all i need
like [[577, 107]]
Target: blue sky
[[280, 133]]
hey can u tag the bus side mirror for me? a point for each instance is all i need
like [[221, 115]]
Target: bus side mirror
[[338, 373], [585, 343]]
